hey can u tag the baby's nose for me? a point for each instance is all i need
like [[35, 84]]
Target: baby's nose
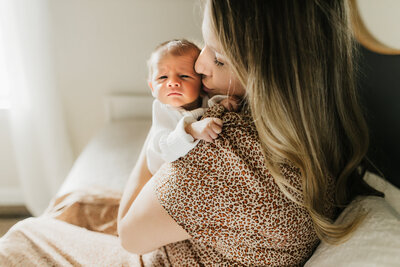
[[174, 84]]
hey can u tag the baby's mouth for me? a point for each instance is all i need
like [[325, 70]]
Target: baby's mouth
[[174, 93]]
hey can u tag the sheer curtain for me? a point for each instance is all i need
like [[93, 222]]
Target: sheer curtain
[[42, 149]]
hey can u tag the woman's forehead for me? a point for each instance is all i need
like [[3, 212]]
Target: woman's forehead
[[208, 32]]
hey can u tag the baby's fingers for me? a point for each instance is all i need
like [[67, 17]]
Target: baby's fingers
[[212, 134], [216, 125], [217, 121], [208, 138], [216, 128]]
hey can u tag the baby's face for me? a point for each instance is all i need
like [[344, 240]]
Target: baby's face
[[175, 82]]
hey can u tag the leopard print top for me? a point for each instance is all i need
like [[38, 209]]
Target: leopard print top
[[223, 195]]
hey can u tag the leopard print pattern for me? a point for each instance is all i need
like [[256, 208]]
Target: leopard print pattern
[[223, 195]]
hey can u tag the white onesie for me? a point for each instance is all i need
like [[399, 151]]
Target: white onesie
[[168, 139]]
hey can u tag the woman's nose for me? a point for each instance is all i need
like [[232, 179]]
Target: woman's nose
[[200, 66]]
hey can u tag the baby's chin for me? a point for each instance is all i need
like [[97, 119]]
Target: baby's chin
[[176, 102]]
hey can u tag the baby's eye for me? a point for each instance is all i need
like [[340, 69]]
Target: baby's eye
[[162, 77], [185, 76]]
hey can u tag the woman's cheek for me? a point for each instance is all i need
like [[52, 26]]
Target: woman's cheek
[[223, 83]]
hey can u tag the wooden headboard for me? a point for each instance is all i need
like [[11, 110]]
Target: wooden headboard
[[379, 88]]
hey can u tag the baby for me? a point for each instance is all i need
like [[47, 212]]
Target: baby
[[178, 104]]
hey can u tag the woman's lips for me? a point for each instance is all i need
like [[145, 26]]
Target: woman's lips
[[206, 89]]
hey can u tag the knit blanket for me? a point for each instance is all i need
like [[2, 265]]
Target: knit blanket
[[77, 229]]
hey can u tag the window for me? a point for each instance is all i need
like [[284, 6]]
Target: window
[[4, 90], [5, 93]]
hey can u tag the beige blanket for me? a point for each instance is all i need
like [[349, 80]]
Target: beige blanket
[[78, 229]]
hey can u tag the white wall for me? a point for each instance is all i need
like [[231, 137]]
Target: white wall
[[381, 17], [101, 47]]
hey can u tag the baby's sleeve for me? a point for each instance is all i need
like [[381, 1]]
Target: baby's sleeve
[[169, 140]]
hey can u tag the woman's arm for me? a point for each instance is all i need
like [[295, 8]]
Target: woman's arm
[[143, 224], [139, 176]]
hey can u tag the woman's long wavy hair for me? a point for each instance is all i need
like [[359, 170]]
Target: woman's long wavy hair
[[297, 62]]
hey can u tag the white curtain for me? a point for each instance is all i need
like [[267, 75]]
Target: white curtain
[[42, 148]]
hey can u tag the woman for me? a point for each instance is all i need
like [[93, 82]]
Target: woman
[[270, 186]]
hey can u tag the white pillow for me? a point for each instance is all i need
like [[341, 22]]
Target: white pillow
[[376, 242], [392, 193], [107, 161]]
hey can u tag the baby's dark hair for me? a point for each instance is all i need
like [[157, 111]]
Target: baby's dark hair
[[175, 47]]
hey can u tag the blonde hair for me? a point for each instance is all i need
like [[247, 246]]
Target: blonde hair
[[296, 61], [175, 47]]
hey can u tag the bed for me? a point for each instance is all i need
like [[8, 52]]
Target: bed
[[83, 213]]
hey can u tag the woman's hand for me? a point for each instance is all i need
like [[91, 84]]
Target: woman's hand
[[206, 129]]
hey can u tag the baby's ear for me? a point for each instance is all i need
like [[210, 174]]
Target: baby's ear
[[151, 86], [152, 89]]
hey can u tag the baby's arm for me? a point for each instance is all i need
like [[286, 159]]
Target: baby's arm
[[206, 129], [168, 140]]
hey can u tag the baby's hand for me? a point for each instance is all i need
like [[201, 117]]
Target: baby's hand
[[231, 103], [206, 129]]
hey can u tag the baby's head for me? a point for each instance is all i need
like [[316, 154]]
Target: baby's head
[[172, 78]]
